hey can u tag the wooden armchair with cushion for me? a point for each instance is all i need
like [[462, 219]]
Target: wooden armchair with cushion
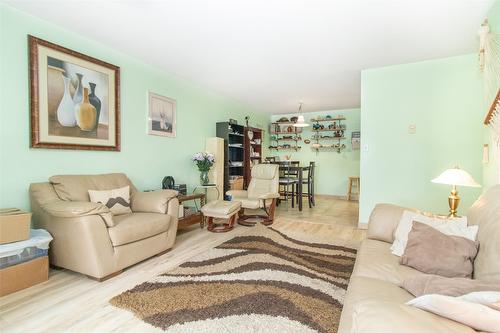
[[88, 238], [262, 193]]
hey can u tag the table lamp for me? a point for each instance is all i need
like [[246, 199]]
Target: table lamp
[[455, 177]]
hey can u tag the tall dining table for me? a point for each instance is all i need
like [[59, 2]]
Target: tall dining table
[[294, 167]]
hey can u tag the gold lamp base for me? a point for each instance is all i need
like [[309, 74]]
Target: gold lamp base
[[453, 201]]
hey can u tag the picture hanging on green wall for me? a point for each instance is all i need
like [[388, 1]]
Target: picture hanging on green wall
[[75, 99]]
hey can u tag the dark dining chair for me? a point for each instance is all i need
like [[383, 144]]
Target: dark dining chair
[[309, 181], [288, 181], [271, 159]]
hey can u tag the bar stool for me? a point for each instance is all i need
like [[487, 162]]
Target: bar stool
[[353, 183]]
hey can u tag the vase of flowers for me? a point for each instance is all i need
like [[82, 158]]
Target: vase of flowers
[[204, 162]]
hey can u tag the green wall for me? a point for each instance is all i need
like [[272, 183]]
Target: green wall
[[443, 99], [146, 159], [492, 169], [333, 169]]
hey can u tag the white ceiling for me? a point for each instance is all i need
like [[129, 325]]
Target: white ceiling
[[272, 53]]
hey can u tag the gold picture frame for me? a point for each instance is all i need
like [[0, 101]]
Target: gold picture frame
[[74, 99]]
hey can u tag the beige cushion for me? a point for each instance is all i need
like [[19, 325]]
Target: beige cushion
[[485, 212], [363, 289], [76, 187], [136, 226], [450, 226], [435, 284], [152, 202], [221, 209], [377, 316], [460, 309], [430, 251], [383, 221], [117, 200], [375, 260]]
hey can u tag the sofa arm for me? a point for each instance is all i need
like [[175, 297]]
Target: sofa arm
[[383, 222], [154, 201], [237, 193], [74, 209], [269, 196]]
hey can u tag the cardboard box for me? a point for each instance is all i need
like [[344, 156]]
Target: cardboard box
[[14, 225], [236, 183], [24, 275]]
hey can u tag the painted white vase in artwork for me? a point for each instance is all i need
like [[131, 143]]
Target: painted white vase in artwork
[[66, 109], [78, 96]]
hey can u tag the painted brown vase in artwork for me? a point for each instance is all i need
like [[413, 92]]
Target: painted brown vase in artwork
[[85, 113]]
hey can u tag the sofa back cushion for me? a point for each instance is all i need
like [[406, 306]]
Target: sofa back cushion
[[485, 212], [76, 187]]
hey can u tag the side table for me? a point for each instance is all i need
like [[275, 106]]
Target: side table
[[193, 218], [206, 188]]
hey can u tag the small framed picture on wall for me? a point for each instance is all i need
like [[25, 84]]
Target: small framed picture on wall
[[162, 115]]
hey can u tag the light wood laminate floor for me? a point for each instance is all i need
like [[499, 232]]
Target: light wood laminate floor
[[70, 302]]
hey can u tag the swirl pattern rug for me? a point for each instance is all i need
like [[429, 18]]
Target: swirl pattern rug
[[262, 281]]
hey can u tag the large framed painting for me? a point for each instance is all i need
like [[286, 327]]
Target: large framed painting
[[162, 115], [75, 99]]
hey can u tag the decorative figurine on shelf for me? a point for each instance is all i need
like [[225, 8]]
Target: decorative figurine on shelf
[[247, 118], [315, 127], [204, 161]]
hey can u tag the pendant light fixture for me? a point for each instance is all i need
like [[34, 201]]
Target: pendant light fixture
[[300, 118]]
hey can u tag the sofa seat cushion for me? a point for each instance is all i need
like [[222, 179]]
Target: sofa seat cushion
[[382, 316], [133, 227], [375, 260], [363, 289]]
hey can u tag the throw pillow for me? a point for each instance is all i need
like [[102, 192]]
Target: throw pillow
[[406, 222], [477, 316], [431, 251], [117, 200], [434, 284]]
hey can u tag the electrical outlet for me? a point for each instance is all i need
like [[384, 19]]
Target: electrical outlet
[[412, 129]]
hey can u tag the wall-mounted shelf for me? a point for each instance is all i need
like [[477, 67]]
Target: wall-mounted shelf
[[285, 148], [329, 130], [337, 128], [331, 138], [329, 119]]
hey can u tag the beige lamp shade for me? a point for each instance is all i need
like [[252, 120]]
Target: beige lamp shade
[[456, 177], [300, 122]]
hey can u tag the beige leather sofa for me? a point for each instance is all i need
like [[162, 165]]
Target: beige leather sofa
[[87, 238], [375, 302]]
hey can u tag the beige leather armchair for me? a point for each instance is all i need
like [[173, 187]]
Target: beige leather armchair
[[87, 237], [262, 193]]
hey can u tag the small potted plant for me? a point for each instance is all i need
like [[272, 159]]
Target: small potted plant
[[204, 161]]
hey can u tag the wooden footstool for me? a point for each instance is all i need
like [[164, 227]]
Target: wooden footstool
[[219, 209]]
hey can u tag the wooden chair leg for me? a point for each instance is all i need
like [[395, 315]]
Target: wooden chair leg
[[270, 219], [210, 222], [349, 191]]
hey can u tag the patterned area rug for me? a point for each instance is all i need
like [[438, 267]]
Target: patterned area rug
[[263, 281]]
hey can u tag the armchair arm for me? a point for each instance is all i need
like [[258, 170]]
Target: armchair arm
[[383, 221], [154, 201], [237, 193], [269, 196], [72, 209]]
